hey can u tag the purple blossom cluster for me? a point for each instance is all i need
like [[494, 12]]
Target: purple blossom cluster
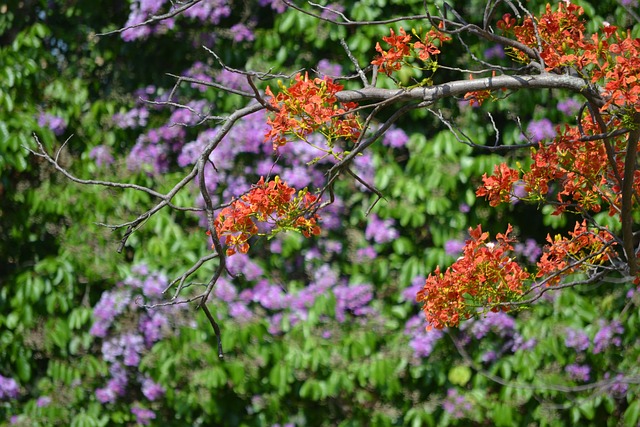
[[278, 5], [131, 119], [379, 230], [569, 107], [456, 405], [530, 250], [353, 299], [539, 130], [395, 138], [55, 123], [123, 349], [608, 335], [328, 68], [496, 51], [422, 341], [410, 293], [241, 32], [143, 415], [101, 154], [576, 339], [578, 372], [454, 247], [9, 388], [502, 326]]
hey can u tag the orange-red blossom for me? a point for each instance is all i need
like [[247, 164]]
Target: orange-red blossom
[[272, 202]]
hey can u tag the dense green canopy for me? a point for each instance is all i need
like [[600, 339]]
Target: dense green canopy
[[319, 331]]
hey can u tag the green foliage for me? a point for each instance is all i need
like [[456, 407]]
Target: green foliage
[[57, 262]]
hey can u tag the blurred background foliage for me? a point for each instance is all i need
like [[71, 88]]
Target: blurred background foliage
[[316, 332]]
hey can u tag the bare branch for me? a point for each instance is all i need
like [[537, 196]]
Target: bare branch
[[154, 18]]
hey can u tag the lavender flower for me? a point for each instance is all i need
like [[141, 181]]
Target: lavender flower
[[143, 415], [55, 123], [328, 68], [395, 138], [607, 336], [456, 405], [578, 372], [8, 388], [410, 293], [225, 291], [110, 305], [496, 51], [380, 231], [499, 323], [365, 254], [240, 311], [422, 341], [454, 247], [43, 401], [278, 5], [568, 107], [352, 298], [529, 249], [153, 326], [576, 339], [540, 130], [241, 33], [131, 119], [152, 390], [101, 154]]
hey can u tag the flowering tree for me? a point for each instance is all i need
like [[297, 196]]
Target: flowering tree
[[300, 136]]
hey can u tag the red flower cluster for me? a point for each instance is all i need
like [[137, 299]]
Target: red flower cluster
[[393, 59], [308, 106], [498, 187], [274, 203], [484, 276], [562, 256], [606, 58]]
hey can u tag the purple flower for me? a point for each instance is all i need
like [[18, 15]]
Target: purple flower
[[153, 326], [143, 415], [240, 263], [576, 339], [568, 107], [454, 247], [456, 405], [271, 297], [225, 291], [241, 32], [240, 311], [629, 2], [365, 254], [277, 5], [43, 401], [499, 323], [578, 372], [233, 80], [352, 298], [328, 68], [464, 208], [410, 293], [151, 390], [529, 249], [55, 123], [209, 11], [330, 11], [422, 341], [607, 336], [101, 154], [380, 231], [132, 118], [395, 138], [8, 388], [110, 305], [540, 130], [617, 387], [496, 51]]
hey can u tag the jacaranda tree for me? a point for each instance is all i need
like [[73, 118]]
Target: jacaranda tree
[[249, 184]]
